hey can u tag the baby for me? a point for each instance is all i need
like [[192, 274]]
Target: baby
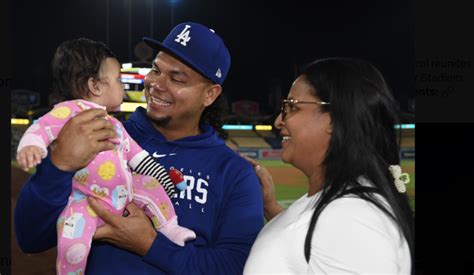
[[89, 73]]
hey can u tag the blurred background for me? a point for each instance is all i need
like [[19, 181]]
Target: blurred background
[[268, 40]]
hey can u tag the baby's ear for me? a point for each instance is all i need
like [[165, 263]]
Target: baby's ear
[[93, 86]]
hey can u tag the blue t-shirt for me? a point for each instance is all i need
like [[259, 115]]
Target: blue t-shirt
[[222, 204]]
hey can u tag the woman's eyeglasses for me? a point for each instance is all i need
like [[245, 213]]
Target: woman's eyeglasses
[[288, 105]]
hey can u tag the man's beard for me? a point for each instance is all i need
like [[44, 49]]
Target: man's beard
[[160, 122]]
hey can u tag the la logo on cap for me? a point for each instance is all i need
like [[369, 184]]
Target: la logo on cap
[[184, 37], [199, 47]]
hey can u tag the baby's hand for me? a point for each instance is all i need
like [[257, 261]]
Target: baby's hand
[[29, 157]]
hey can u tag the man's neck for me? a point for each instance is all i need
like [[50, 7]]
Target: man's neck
[[172, 134]]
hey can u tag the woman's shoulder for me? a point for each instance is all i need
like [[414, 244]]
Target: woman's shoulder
[[354, 215], [360, 235], [351, 207]]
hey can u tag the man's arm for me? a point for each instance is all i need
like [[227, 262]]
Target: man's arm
[[41, 200], [45, 194], [237, 226], [270, 205]]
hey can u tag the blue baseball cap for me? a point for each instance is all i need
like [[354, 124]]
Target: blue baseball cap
[[199, 47]]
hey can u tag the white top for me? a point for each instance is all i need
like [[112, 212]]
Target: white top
[[351, 236]]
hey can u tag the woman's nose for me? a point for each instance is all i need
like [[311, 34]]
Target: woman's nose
[[278, 122]]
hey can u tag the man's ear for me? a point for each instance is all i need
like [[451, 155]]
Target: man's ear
[[211, 94], [93, 86]]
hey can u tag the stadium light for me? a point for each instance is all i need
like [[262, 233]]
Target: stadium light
[[405, 126], [19, 121], [143, 71], [126, 66], [131, 106], [237, 127], [131, 81], [263, 127]]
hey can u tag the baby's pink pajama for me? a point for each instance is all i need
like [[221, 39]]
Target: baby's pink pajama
[[108, 178]]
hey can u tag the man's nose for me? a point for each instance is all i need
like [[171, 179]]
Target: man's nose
[[157, 86], [157, 83]]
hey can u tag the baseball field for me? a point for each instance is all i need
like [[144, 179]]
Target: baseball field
[[290, 183]]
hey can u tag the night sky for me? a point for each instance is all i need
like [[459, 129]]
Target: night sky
[[267, 41]]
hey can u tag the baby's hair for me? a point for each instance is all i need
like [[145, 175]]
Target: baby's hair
[[74, 62]]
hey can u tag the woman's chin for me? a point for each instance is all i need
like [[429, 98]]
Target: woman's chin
[[285, 158]]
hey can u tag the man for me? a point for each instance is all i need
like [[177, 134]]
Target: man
[[223, 201]]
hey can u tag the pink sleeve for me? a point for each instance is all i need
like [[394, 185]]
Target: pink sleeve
[[132, 146], [47, 127]]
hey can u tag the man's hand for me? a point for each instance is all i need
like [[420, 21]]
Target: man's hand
[[134, 232], [81, 139], [270, 205]]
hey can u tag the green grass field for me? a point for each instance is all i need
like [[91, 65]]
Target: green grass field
[[291, 184], [15, 164], [294, 184]]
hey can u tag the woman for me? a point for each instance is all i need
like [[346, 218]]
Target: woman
[[337, 126]]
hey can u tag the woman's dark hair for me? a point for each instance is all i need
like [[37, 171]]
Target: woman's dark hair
[[212, 115], [363, 141], [74, 62]]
